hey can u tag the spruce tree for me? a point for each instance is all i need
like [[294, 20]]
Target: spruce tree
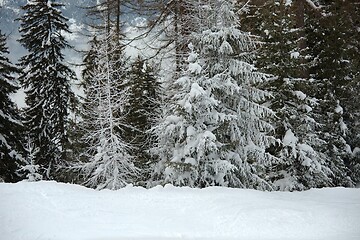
[[140, 111], [334, 46], [30, 170], [11, 139], [302, 163], [46, 80], [90, 59], [215, 132], [108, 160]]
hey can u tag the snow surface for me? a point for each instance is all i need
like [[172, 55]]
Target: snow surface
[[289, 138], [300, 95], [57, 211]]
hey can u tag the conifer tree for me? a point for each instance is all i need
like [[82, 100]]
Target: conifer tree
[[11, 140], [302, 162], [215, 132], [46, 80], [140, 111], [334, 45], [90, 58], [30, 169], [314, 151], [109, 163]]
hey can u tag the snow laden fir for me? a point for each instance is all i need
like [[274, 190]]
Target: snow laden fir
[[216, 125]]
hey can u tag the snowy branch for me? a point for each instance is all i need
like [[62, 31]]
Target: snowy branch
[[312, 5]]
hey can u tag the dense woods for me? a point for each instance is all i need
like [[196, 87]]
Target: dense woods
[[260, 94]]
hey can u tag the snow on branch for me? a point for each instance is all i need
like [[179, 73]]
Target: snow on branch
[[312, 5]]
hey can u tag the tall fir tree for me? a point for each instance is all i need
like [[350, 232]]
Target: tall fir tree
[[302, 162], [141, 109], [46, 80], [215, 132], [109, 161], [88, 79], [109, 24], [108, 155], [334, 44], [89, 60], [11, 138], [295, 33]]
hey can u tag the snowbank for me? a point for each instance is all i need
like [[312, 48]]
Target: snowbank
[[56, 211]]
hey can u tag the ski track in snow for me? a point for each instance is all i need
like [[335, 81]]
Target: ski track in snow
[[57, 211]]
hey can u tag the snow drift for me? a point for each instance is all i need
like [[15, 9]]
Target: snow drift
[[57, 211]]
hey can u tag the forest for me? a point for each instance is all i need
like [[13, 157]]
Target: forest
[[256, 94]]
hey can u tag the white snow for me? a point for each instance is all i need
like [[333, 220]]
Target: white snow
[[307, 108], [306, 148], [57, 211], [356, 151], [312, 4], [339, 109], [288, 2], [300, 95], [289, 138], [343, 126], [294, 55], [195, 68]]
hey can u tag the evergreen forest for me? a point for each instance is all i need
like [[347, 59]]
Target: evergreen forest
[[257, 94]]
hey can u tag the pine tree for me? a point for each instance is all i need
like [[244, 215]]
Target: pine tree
[[335, 49], [302, 163], [30, 169], [109, 160], [352, 106], [90, 58], [140, 111], [314, 151], [215, 132], [11, 146], [46, 80], [88, 75]]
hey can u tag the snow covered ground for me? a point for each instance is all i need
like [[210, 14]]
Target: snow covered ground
[[56, 211]]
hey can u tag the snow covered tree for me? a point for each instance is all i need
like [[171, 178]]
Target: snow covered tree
[[109, 23], [30, 169], [11, 146], [302, 162], [46, 80], [215, 132], [333, 42], [141, 108], [109, 161], [314, 151], [89, 61]]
